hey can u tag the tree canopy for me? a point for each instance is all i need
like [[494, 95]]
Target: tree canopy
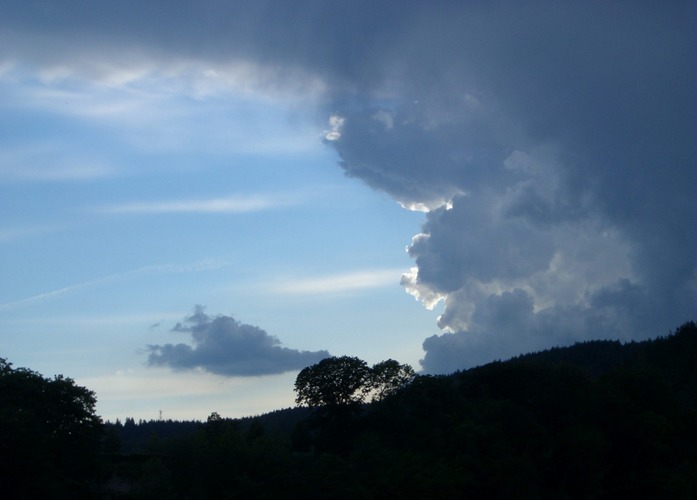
[[349, 381], [388, 377], [334, 381], [50, 432]]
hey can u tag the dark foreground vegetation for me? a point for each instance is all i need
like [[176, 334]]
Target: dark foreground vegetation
[[596, 420]]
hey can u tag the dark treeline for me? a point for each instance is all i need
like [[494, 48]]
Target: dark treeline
[[596, 420], [134, 437]]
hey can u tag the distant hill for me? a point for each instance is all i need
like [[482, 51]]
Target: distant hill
[[599, 419], [595, 420]]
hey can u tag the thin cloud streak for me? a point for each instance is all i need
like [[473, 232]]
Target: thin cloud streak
[[12, 234], [230, 204], [50, 173], [185, 109], [49, 162], [152, 319], [337, 283], [203, 265], [195, 78]]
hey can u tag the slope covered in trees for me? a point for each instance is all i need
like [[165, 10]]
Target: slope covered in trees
[[595, 420]]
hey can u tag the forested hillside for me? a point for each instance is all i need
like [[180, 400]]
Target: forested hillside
[[596, 420]]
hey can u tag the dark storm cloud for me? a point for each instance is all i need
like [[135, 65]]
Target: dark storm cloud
[[224, 346], [305, 36], [563, 139], [553, 142]]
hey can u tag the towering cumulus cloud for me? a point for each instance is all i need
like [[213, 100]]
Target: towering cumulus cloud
[[224, 346], [553, 149]]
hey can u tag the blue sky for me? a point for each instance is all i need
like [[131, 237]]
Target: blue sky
[[129, 199], [198, 200]]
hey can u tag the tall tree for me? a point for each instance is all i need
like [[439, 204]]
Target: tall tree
[[388, 377], [50, 434], [333, 382], [349, 381]]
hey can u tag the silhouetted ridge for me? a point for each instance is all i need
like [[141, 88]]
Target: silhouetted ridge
[[599, 419]]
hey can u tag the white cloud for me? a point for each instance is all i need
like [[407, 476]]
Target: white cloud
[[337, 283], [336, 123], [230, 204], [428, 297], [179, 108]]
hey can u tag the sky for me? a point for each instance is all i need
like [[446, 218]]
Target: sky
[[199, 199]]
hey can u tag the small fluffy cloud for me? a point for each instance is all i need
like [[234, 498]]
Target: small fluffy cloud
[[224, 346]]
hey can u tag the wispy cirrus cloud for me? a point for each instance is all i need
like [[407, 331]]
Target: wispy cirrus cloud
[[9, 234], [228, 204], [63, 171], [172, 105], [49, 162], [199, 266], [337, 283]]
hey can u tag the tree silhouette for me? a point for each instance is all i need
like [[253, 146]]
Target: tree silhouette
[[348, 382], [50, 434], [333, 382], [388, 377]]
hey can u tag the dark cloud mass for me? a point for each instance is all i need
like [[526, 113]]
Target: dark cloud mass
[[558, 145], [224, 346], [553, 145]]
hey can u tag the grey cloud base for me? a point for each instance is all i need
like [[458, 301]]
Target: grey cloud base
[[224, 346]]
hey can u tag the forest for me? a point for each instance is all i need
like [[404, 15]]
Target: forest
[[599, 419]]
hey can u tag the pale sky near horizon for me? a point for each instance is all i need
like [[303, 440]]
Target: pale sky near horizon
[[198, 199]]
